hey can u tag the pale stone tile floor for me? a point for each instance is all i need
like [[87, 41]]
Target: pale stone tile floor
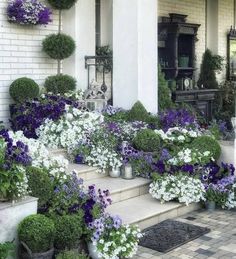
[[220, 242]]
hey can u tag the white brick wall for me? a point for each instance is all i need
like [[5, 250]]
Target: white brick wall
[[195, 9], [21, 55]]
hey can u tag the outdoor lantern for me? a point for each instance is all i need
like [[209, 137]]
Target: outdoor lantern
[[95, 98]]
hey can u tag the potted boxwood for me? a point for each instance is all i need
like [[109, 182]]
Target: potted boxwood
[[69, 229], [36, 236]]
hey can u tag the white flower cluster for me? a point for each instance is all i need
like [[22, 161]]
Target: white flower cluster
[[182, 187], [123, 243], [70, 129], [103, 158], [22, 186], [40, 155], [177, 134], [190, 156]]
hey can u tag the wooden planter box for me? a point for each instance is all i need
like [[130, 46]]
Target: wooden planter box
[[228, 152], [11, 214]]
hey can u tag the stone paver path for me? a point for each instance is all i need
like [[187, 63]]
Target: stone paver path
[[219, 243]]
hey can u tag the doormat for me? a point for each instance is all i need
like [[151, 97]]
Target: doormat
[[170, 234]]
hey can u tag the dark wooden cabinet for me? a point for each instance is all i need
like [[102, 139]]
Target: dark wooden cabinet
[[202, 100]]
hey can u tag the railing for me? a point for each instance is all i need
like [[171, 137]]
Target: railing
[[103, 73]]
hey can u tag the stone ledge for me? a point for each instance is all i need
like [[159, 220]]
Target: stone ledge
[[5, 205]]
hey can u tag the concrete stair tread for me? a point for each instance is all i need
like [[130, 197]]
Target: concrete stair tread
[[80, 168], [140, 208], [116, 185]]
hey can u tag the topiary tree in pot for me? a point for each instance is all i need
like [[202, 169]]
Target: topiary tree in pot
[[36, 235], [60, 46]]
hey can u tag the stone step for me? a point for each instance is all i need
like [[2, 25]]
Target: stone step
[[85, 172], [58, 152], [121, 189], [147, 211]]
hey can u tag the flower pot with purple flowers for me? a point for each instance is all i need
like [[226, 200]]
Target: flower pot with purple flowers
[[210, 205], [93, 251]]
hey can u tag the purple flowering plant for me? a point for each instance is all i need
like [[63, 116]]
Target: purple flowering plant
[[177, 118], [28, 12], [30, 115], [71, 196]]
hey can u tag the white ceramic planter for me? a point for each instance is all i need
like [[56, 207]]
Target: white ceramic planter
[[228, 152], [11, 214], [92, 251], [127, 172]]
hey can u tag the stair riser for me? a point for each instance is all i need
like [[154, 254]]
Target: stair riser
[[130, 193], [90, 175], [145, 223]]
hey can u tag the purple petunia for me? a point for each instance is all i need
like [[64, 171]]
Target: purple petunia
[[28, 12]]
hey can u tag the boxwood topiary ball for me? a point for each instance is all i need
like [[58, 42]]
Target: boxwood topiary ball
[[207, 143], [38, 232], [147, 140], [59, 46], [62, 4], [60, 84], [138, 112], [23, 89]]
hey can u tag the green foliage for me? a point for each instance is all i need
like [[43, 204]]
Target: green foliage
[[6, 249], [23, 89], [69, 229], [10, 180], [71, 255], [207, 143], [59, 46], [38, 232], [40, 185], [147, 140], [225, 104], [60, 84], [117, 117], [105, 51], [164, 93], [138, 113], [2, 151], [210, 64], [62, 4]]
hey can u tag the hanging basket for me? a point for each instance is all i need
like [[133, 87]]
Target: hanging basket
[[26, 253]]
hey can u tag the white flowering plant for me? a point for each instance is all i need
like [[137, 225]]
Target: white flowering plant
[[40, 155], [180, 187], [74, 126], [191, 156], [114, 240]]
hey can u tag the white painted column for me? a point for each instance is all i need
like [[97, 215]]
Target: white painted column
[[79, 22], [135, 53]]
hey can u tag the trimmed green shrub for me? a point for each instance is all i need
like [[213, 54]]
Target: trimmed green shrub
[[38, 232], [69, 229], [210, 64], [207, 143], [59, 46], [2, 151], [23, 89], [62, 4], [164, 93], [138, 112], [40, 185], [71, 255], [7, 249], [147, 140], [60, 84]]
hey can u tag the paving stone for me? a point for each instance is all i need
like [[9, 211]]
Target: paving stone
[[219, 243]]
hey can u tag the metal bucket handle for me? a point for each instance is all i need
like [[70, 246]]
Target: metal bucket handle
[[27, 249]]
